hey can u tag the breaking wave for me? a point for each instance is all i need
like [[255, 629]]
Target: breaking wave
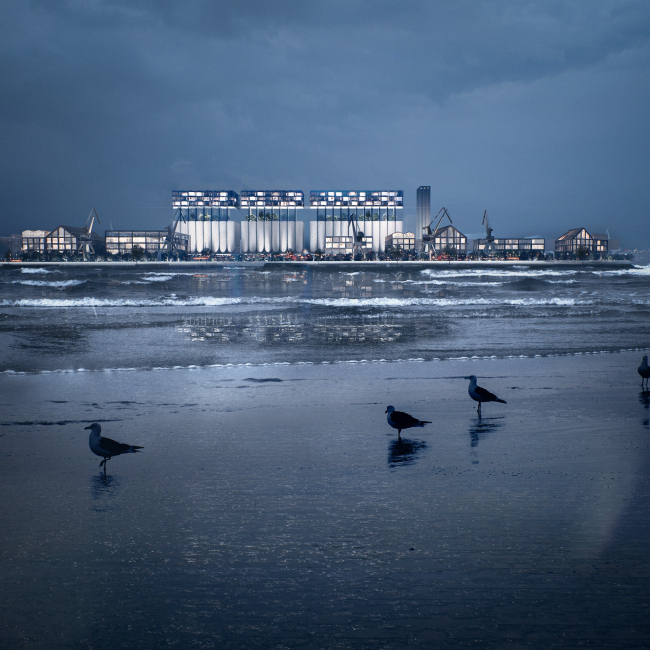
[[210, 301], [62, 284]]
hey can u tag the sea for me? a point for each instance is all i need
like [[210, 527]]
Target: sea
[[273, 507], [60, 320]]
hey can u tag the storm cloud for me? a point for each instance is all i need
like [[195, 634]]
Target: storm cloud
[[536, 111]]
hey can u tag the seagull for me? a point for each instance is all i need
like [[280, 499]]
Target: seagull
[[644, 371], [481, 395], [399, 420], [106, 447]]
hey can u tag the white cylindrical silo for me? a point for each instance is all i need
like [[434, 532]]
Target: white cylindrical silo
[[231, 236], [191, 231], [214, 236], [375, 236], [244, 237], [284, 236], [313, 236], [383, 233], [223, 236], [275, 236], [321, 235], [260, 236], [268, 236], [199, 236], [299, 243]]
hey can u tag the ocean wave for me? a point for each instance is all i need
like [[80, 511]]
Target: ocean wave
[[643, 271], [513, 272], [211, 301], [61, 284], [37, 270]]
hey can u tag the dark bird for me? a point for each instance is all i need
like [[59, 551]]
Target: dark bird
[[399, 420], [105, 447], [644, 371], [481, 395]]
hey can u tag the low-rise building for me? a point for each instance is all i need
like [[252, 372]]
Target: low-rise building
[[403, 240], [447, 239], [121, 242], [69, 239], [511, 246], [33, 240], [578, 241]]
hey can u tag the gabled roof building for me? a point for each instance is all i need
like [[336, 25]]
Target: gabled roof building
[[577, 240]]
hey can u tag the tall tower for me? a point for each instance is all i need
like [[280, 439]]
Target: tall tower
[[422, 210]]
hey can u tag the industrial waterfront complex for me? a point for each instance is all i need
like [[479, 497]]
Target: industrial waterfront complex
[[258, 224]]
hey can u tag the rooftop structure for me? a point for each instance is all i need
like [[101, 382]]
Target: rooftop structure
[[356, 199], [251, 199], [205, 199]]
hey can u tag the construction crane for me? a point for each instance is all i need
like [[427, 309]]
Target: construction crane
[[428, 238], [358, 235], [169, 246], [86, 238], [489, 240]]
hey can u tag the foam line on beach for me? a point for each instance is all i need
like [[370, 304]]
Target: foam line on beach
[[492, 357]]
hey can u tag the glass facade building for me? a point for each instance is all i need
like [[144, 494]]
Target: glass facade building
[[151, 241]]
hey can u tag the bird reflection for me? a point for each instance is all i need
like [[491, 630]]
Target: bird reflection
[[644, 398], [103, 487], [481, 427], [403, 452]]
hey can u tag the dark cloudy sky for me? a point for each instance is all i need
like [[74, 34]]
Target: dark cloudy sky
[[536, 111]]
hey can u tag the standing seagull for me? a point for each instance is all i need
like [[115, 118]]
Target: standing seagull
[[481, 395], [106, 447], [644, 371], [399, 420]]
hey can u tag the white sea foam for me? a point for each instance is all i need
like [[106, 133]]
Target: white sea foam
[[643, 271], [211, 301], [37, 270], [512, 272], [62, 284]]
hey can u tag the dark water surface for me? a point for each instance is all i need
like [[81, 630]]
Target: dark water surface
[[133, 318], [273, 507]]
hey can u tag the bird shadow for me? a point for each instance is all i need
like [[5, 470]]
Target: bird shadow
[[403, 452], [481, 427], [103, 488]]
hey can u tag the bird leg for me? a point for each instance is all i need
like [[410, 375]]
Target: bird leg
[[479, 409]]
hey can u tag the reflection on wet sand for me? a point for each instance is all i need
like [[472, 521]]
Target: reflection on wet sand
[[103, 488], [481, 427], [403, 451], [644, 398]]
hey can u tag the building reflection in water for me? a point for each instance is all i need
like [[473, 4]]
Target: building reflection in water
[[293, 328]]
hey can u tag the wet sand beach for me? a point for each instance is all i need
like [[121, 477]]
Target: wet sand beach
[[273, 507]]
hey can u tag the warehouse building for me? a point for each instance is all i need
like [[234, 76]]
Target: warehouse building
[[121, 242], [405, 241], [513, 246], [69, 239]]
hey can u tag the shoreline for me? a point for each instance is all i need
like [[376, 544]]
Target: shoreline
[[415, 265]]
